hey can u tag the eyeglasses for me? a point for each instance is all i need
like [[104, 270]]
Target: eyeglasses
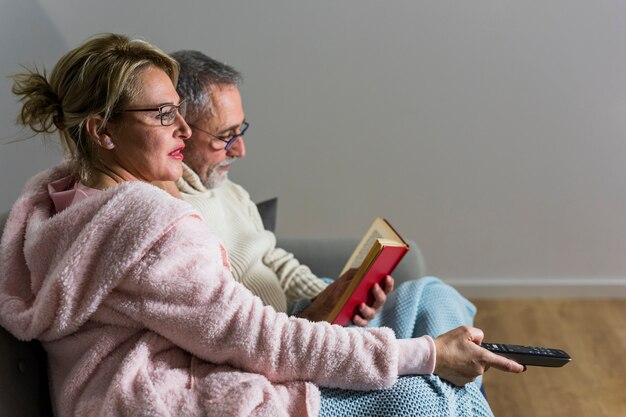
[[167, 112], [226, 142]]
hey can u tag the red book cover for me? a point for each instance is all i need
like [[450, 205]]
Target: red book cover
[[380, 262]]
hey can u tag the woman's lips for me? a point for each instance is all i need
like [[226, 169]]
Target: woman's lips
[[177, 154]]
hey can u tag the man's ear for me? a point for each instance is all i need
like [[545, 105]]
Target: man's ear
[[97, 131]]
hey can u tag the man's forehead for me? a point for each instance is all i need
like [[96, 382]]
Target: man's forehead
[[227, 99], [225, 111], [222, 92]]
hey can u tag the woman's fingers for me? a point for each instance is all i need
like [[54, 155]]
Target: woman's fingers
[[501, 363]]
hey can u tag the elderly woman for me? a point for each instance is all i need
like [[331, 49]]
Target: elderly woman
[[133, 298]]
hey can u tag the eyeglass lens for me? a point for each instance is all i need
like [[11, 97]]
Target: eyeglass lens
[[168, 112], [230, 141]]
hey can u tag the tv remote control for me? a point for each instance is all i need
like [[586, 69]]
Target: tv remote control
[[529, 355]]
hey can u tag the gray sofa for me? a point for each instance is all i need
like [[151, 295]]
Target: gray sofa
[[23, 376]]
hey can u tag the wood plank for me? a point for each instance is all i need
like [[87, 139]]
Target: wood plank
[[593, 332]]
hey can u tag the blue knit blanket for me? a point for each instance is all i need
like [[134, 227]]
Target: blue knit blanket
[[415, 308]]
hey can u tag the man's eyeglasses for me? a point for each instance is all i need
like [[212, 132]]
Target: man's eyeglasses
[[167, 112], [226, 142]]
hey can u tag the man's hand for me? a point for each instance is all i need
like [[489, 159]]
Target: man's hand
[[323, 304], [379, 293], [325, 301], [460, 359]]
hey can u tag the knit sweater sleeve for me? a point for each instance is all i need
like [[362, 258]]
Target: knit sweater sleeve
[[296, 280], [183, 290]]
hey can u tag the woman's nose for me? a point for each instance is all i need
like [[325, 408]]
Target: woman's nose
[[185, 130]]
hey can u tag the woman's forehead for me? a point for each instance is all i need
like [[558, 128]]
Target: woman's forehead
[[154, 87]]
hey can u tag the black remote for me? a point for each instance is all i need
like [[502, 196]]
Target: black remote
[[529, 355]]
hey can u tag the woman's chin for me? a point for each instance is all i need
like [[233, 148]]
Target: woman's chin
[[173, 174]]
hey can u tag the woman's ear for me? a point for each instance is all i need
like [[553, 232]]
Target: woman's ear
[[97, 131]]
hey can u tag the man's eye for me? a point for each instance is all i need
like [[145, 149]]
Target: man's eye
[[225, 138]]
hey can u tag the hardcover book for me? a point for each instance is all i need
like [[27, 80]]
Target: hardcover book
[[375, 257]]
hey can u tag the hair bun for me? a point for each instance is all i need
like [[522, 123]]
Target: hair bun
[[57, 120]]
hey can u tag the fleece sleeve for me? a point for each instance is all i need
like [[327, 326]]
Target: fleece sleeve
[[182, 289]]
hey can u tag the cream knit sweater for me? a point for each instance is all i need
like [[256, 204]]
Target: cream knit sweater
[[271, 273]]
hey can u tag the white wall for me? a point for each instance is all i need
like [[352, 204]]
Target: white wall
[[491, 132]]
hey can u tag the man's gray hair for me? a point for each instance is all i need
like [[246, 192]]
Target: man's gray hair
[[198, 76]]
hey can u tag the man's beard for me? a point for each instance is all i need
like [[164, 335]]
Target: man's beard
[[215, 178]]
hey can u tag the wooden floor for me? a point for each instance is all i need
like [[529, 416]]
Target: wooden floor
[[593, 332]]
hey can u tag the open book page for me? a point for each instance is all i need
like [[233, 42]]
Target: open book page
[[362, 250], [380, 228]]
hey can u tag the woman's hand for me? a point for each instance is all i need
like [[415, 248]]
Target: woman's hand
[[379, 294], [460, 359]]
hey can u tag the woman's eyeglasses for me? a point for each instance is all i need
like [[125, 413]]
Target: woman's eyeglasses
[[167, 112]]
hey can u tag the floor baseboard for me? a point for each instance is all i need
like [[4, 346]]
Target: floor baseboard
[[482, 288]]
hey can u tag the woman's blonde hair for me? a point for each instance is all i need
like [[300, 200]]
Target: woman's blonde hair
[[97, 78]]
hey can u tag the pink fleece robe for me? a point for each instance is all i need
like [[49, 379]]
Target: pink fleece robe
[[129, 292]]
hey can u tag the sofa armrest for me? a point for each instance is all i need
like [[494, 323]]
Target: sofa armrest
[[327, 256]]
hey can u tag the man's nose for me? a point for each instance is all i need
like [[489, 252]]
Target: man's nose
[[238, 150]]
